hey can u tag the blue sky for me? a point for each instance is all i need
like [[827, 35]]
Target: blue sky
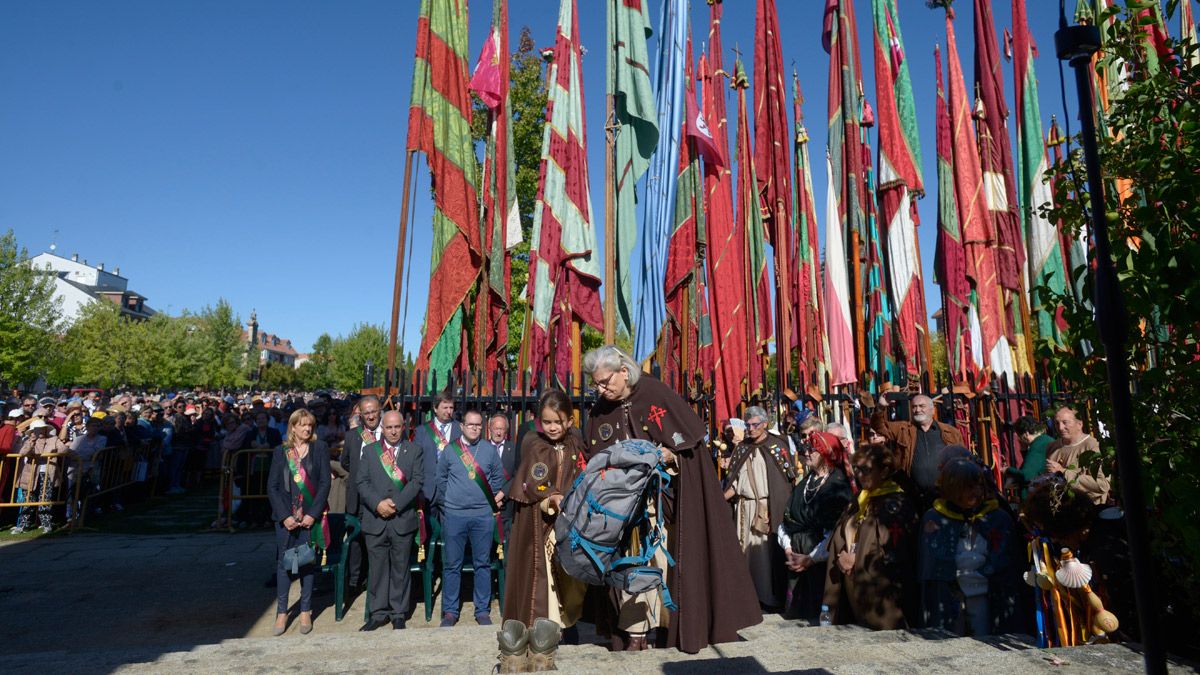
[[255, 150]]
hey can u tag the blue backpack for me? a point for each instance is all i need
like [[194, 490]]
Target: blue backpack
[[605, 503]]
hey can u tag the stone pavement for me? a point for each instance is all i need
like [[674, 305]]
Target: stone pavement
[[107, 603]]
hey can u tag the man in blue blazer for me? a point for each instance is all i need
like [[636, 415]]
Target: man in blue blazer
[[434, 436]]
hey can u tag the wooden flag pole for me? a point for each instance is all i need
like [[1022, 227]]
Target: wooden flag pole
[[783, 351], [859, 316], [399, 282], [610, 244]]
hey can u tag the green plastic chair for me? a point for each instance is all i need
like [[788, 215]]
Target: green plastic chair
[[342, 528]]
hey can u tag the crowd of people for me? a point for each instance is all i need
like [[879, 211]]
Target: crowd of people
[[780, 512], [910, 529]]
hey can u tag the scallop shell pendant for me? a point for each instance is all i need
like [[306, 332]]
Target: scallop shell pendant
[[1072, 573]]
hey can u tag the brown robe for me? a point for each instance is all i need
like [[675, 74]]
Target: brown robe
[[781, 476], [881, 591], [710, 581], [546, 469]]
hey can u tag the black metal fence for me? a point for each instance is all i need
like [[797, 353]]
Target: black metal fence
[[984, 413]]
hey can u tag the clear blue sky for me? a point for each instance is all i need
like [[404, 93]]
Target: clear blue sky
[[254, 150]]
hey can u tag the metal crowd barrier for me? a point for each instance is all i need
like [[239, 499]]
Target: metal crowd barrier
[[10, 473], [248, 470], [115, 468]]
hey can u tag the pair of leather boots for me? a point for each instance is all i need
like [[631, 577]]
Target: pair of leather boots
[[528, 650]]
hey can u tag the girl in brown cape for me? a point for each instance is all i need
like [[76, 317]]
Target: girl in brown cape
[[536, 586]]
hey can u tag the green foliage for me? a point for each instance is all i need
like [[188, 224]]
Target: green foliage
[[223, 354], [278, 377], [29, 316], [1155, 239], [938, 362], [351, 353]]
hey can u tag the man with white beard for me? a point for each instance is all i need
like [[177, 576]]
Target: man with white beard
[[919, 443]]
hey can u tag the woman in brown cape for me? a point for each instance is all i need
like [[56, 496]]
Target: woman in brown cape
[[871, 577], [536, 586], [710, 581]]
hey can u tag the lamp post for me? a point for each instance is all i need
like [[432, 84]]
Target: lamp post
[[1076, 45]]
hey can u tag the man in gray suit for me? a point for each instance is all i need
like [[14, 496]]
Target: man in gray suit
[[510, 460], [367, 432], [389, 476]]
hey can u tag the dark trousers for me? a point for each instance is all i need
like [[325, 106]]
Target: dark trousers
[[388, 579], [457, 532], [283, 578]]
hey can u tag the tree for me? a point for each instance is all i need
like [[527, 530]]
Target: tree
[[222, 352], [1155, 237], [276, 376], [366, 342], [317, 371], [29, 316]]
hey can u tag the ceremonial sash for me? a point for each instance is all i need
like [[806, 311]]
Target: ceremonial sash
[[475, 473], [865, 496], [438, 439], [945, 509], [319, 536], [389, 467]]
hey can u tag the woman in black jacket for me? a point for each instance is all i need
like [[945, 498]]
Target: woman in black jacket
[[816, 504], [297, 488]]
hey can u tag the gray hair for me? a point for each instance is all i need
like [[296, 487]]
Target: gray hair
[[610, 357], [755, 411], [813, 423]]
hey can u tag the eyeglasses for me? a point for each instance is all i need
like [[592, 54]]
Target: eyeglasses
[[755, 425], [473, 425], [604, 384]]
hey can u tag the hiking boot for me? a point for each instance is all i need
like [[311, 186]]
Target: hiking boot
[[543, 645], [514, 647]]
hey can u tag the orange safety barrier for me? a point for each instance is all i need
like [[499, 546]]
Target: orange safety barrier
[[114, 468], [244, 472], [55, 495]]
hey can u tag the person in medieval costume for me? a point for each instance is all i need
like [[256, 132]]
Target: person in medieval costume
[[715, 597], [536, 586], [871, 576], [761, 473]]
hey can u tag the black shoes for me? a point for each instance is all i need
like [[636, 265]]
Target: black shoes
[[373, 623], [398, 624]]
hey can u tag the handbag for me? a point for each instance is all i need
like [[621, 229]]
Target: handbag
[[298, 556]]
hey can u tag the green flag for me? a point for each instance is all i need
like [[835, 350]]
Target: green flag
[[636, 133]]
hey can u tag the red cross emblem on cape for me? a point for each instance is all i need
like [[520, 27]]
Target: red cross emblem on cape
[[656, 415]]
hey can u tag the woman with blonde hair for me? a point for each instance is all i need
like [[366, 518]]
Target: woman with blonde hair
[[297, 488]]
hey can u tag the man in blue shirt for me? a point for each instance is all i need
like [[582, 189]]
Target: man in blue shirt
[[469, 492]]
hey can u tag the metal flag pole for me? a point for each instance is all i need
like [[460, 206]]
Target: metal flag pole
[[1076, 44]]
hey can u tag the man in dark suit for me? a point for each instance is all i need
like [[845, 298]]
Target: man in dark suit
[[389, 477], [510, 459], [368, 431], [433, 437]]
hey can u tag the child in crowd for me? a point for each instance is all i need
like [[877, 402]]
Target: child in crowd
[[968, 562]]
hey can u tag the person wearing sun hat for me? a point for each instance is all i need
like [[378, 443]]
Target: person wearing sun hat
[[38, 480]]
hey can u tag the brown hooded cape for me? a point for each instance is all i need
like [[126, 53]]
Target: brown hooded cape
[[544, 471], [710, 581]]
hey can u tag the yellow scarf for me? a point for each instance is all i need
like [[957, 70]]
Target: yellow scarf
[[865, 496], [944, 508]]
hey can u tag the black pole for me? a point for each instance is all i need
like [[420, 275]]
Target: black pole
[[1076, 44], [369, 374]]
